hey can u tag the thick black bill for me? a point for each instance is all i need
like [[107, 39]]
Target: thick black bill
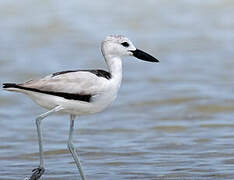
[[144, 56]]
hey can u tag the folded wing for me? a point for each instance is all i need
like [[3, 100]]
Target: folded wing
[[72, 82]]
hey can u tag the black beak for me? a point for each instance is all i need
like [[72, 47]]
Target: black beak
[[144, 56]]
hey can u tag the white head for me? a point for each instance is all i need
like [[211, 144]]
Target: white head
[[118, 46]]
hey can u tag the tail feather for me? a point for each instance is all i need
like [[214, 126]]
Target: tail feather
[[9, 85], [14, 87]]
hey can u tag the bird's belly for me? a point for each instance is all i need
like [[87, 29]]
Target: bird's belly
[[101, 102], [98, 103], [83, 108]]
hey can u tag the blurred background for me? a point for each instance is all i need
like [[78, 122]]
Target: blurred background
[[171, 120]]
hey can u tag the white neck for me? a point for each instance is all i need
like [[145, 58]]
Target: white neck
[[114, 64]]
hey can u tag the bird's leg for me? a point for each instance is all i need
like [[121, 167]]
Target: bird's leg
[[72, 148], [37, 172]]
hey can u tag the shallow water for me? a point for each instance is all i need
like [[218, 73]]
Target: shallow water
[[172, 120]]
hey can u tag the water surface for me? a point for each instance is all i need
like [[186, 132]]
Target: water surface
[[172, 120]]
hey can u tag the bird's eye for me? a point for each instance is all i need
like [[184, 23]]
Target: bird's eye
[[125, 44]]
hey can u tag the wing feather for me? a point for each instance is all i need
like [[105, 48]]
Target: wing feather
[[77, 82]]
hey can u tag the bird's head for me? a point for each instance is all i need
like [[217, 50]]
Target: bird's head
[[118, 46]]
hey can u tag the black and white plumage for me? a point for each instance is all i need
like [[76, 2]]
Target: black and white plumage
[[80, 92]]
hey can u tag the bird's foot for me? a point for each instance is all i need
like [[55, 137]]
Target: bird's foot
[[37, 173]]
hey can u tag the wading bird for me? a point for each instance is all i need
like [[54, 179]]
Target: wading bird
[[79, 92]]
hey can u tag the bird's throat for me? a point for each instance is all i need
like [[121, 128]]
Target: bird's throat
[[115, 66]]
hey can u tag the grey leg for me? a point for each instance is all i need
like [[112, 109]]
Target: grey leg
[[72, 149], [37, 173]]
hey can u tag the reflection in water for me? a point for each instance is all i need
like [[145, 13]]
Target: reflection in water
[[173, 120]]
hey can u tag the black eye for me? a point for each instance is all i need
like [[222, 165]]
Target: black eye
[[125, 44]]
